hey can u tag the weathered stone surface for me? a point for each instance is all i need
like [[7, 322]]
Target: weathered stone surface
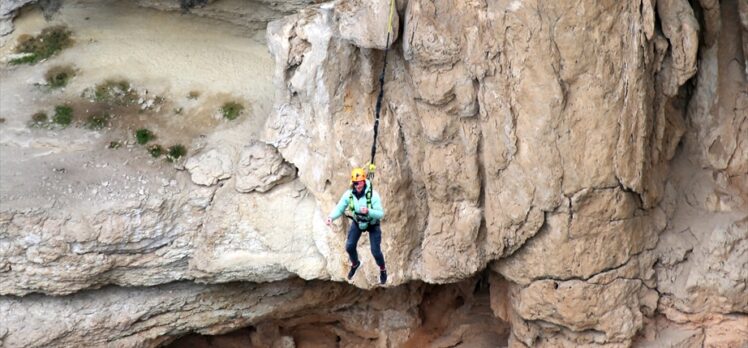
[[211, 166], [681, 29], [447, 100], [149, 317], [535, 137], [254, 14], [261, 237], [365, 22], [161, 240], [709, 273], [260, 168], [602, 230], [743, 12], [713, 331], [703, 254], [8, 11]]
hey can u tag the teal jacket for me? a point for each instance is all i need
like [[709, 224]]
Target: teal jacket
[[376, 212]]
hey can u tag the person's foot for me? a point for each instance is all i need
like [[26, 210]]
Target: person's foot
[[353, 270], [382, 276]]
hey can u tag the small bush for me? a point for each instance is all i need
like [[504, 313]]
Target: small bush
[[63, 115], [175, 152], [193, 95], [97, 121], [232, 110], [143, 135], [115, 92], [39, 119], [59, 76], [50, 41], [155, 150], [114, 145]]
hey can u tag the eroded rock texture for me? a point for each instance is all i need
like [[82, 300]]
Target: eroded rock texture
[[593, 155], [533, 133]]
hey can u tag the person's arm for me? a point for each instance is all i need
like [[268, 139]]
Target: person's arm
[[376, 211], [342, 205]]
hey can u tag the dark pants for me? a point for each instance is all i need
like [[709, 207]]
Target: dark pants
[[375, 239]]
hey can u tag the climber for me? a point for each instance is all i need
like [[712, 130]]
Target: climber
[[366, 211]]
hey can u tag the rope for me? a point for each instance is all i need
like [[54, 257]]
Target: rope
[[378, 108]]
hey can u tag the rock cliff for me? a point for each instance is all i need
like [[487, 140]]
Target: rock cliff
[[571, 173]]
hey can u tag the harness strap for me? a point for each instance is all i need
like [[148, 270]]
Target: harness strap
[[354, 215]]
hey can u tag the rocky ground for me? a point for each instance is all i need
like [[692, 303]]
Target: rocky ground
[[558, 175]]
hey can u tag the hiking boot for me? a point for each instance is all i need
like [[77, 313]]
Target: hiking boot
[[353, 270], [382, 276]]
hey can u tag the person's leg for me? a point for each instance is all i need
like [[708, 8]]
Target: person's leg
[[375, 239], [350, 246]]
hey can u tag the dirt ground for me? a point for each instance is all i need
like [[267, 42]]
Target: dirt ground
[[164, 58]]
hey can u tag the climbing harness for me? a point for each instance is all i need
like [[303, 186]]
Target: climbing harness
[[354, 215]]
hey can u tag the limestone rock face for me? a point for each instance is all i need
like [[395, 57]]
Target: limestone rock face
[[592, 163], [7, 12], [703, 253], [535, 134], [154, 316], [161, 240], [253, 13], [365, 23], [210, 167], [260, 168]]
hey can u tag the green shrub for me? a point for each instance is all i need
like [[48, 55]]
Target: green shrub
[[114, 92], [114, 145], [175, 152], [50, 41], [39, 119], [155, 150], [63, 115], [143, 135], [232, 110], [59, 76], [97, 121]]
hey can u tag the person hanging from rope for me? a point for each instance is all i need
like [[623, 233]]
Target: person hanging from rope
[[366, 213]]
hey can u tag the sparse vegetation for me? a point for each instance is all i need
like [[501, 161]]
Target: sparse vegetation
[[38, 119], [97, 121], [114, 92], [193, 95], [63, 115], [155, 150], [114, 144], [143, 136], [232, 110], [50, 41], [175, 152], [59, 76], [178, 110]]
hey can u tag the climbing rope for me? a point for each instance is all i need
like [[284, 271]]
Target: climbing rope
[[371, 168]]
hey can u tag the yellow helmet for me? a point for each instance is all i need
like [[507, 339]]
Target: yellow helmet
[[358, 174]]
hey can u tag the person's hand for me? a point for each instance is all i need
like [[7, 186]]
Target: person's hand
[[328, 222], [364, 210]]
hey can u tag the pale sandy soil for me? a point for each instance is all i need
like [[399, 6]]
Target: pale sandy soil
[[167, 54]]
